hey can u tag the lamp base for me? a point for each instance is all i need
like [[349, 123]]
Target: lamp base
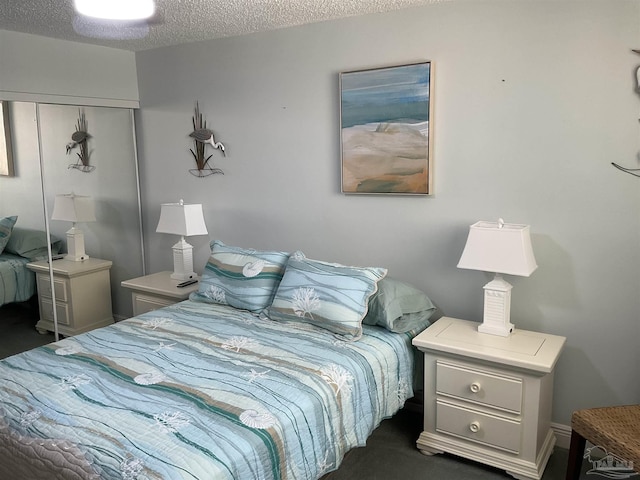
[[76, 258], [75, 245], [183, 276], [497, 308], [500, 330], [183, 261]]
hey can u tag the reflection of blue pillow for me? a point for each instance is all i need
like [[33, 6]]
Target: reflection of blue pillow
[[6, 225], [399, 307], [328, 295], [239, 277], [31, 244]]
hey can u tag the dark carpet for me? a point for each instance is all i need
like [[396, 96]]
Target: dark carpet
[[18, 323], [391, 453]]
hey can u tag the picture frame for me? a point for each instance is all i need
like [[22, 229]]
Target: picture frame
[[6, 151], [386, 126]]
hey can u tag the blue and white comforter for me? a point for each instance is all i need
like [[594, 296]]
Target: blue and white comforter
[[17, 283], [197, 391]]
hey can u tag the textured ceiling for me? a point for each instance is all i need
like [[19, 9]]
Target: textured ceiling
[[183, 21]]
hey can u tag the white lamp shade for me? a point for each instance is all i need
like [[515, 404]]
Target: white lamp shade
[[499, 247], [181, 219], [73, 208]]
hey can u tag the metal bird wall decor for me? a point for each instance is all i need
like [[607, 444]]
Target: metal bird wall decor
[[632, 171], [203, 136], [79, 139]]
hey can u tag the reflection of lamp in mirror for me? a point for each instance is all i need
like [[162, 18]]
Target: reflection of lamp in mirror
[[74, 208], [183, 220], [499, 248]]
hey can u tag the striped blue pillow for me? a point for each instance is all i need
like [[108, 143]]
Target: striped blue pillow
[[6, 226], [242, 278], [328, 295]]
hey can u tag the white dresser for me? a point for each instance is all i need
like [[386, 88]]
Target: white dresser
[[82, 291], [488, 398], [155, 291]]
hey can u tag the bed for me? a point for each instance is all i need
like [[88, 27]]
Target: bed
[[17, 282], [205, 390], [18, 247]]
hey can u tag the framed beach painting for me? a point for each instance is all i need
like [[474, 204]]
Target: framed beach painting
[[6, 153], [385, 130]]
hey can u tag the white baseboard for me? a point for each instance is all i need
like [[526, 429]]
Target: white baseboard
[[563, 434]]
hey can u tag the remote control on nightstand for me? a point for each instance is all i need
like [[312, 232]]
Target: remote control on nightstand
[[186, 283]]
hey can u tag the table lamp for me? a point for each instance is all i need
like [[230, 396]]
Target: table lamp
[[500, 248], [74, 208], [183, 220]]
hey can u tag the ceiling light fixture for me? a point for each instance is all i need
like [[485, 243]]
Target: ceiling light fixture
[[110, 29], [116, 9]]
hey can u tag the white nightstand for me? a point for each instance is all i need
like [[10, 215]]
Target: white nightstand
[[156, 291], [82, 291], [488, 398]]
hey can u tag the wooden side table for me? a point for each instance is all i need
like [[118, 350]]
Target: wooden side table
[[156, 291], [82, 295], [488, 398]]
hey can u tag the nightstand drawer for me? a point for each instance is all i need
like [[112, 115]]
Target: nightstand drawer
[[44, 287], [62, 309], [479, 386], [143, 303], [478, 427]]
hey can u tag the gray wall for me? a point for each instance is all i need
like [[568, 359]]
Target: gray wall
[[533, 100], [40, 69]]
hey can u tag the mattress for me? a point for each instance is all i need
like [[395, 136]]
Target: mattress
[[17, 283], [198, 391]]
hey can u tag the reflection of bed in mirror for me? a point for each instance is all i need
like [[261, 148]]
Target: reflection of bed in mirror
[[17, 282]]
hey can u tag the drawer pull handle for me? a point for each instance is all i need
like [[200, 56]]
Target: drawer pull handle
[[475, 387], [474, 427]]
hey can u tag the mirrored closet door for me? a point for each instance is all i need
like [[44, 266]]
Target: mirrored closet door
[[87, 152], [102, 168]]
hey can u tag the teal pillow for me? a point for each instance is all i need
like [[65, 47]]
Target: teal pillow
[[399, 307], [6, 226], [242, 278], [328, 295], [31, 244]]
